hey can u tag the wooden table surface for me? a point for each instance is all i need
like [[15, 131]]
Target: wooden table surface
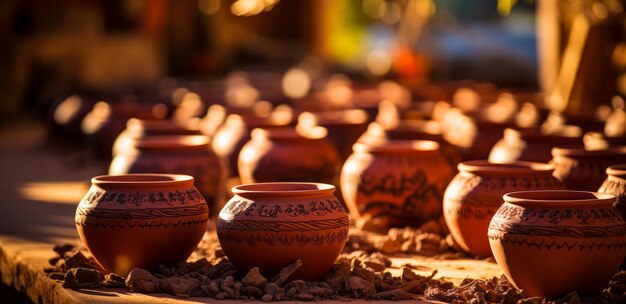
[[41, 185]]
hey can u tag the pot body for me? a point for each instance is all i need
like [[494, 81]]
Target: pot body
[[401, 180], [582, 169], [475, 194], [282, 155], [175, 154], [550, 243], [270, 225], [529, 145], [615, 184], [141, 220]]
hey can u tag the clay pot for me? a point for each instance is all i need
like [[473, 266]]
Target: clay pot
[[177, 154], [531, 145], [235, 132], [282, 154], [141, 220], [475, 194], [615, 184], [344, 126], [582, 169], [271, 225], [549, 243], [141, 128], [401, 180]]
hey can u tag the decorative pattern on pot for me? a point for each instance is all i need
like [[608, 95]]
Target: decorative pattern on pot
[[141, 220], [475, 193], [282, 154], [402, 180], [582, 169], [615, 184], [175, 154], [270, 225], [552, 242]]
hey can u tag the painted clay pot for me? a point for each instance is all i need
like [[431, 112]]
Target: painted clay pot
[[475, 194], [271, 225], [531, 145], [582, 169], [177, 154], [344, 126], [140, 128], [401, 180], [552, 242], [235, 132], [141, 220], [615, 184], [283, 154]]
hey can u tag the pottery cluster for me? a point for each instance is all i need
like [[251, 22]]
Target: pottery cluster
[[505, 175]]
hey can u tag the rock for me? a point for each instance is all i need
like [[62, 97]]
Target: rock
[[254, 278], [389, 246], [76, 259], [86, 275], [286, 272], [140, 280], [179, 285], [70, 280], [360, 287], [252, 291]]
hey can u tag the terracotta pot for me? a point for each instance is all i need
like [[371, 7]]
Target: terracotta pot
[[531, 145], [615, 184], [177, 154], [230, 137], [402, 180], [344, 126], [141, 128], [582, 169], [270, 225], [549, 243], [141, 220], [282, 154], [475, 194], [423, 130]]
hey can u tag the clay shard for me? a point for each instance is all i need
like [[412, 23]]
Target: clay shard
[[286, 272], [254, 278], [179, 285], [140, 280]]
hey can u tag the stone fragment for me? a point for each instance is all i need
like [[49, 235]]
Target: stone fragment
[[254, 278], [179, 285], [252, 291], [286, 272], [393, 295], [140, 280], [86, 275], [359, 287]]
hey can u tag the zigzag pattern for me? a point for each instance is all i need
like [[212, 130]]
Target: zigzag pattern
[[282, 239], [152, 213], [138, 224], [496, 227], [282, 226], [554, 245]]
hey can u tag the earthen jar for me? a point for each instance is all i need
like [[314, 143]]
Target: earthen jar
[[235, 132], [141, 220], [140, 128], [344, 126], [282, 154], [550, 243], [401, 180], [531, 145], [582, 169], [271, 225], [177, 154], [475, 194], [615, 184]]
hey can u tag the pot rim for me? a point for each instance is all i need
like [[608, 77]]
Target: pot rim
[[283, 189], [172, 141], [516, 167], [398, 146], [617, 170], [558, 198], [579, 150], [141, 179]]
